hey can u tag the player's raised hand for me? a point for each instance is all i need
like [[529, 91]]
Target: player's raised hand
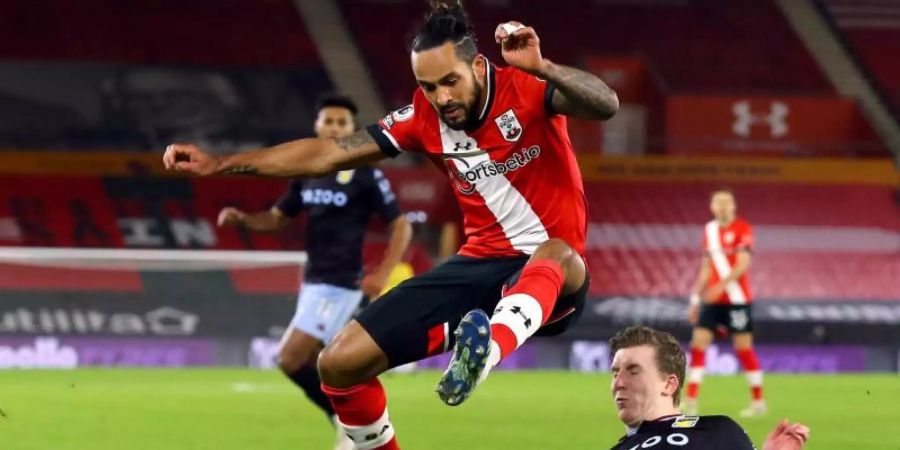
[[520, 46], [787, 436], [231, 216], [189, 158]]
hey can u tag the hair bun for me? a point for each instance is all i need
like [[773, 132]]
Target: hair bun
[[442, 5]]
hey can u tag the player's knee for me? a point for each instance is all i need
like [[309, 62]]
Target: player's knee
[[701, 340], [291, 360], [573, 266], [742, 342], [337, 368], [555, 249]]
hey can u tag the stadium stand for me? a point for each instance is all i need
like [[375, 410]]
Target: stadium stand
[[228, 72], [205, 32], [684, 40], [815, 241], [871, 29]]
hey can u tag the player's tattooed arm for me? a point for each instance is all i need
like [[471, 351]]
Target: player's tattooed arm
[[301, 158], [578, 93], [354, 141]]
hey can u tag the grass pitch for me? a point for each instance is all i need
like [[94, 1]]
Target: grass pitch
[[116, 409]]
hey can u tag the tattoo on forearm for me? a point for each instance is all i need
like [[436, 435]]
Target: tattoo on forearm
[[241, 170], [355, 140], [582, 91]]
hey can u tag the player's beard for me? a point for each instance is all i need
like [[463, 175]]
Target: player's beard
[[471, 117]]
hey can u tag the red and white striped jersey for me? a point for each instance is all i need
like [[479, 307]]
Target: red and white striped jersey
[[514, 174], [722, 245]]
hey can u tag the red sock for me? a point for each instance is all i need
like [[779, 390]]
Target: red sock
[[693, 389], [751, 366], [526, 305], [756, 393], [698, 358], [748, 359], [362, 412], [695, 374]]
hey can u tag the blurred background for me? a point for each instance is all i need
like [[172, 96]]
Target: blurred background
[[793, 104]]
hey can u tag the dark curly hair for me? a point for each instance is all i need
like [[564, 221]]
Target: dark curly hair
[[446, 22]]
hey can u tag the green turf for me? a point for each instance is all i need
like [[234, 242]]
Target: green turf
[[201, 409]]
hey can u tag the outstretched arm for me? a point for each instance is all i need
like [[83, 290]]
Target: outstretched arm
[[576, 93], [301, 158]]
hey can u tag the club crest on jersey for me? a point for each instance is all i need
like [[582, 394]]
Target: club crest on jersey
[[403, 114], [509, 126], [345, 176], [729, 237], [685, 422]]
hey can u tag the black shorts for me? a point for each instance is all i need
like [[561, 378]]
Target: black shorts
[[737, 318], [416, 319]]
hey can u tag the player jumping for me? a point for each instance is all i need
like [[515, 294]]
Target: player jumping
[[724, 288], [500, 134], [339, 206]]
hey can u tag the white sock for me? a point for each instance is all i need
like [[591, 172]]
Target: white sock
[[492, 360]]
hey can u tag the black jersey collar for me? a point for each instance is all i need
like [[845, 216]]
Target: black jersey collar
[[648, 424], [491, 87]]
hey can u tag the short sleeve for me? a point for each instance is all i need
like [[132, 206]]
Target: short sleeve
[[384, 202], [745, 240], [397, 132], [537, 90], [290, 203]]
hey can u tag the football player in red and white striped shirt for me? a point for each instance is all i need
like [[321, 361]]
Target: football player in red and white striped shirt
[[500, 135], [721, 299]]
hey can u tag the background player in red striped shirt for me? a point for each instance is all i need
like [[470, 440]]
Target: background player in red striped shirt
[[721, 299]]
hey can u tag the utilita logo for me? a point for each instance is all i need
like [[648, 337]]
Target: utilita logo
[[158, 322], [45, 353], [466, 173]]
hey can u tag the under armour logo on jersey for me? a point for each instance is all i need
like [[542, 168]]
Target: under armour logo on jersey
[[460, 146], [745, 118]]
